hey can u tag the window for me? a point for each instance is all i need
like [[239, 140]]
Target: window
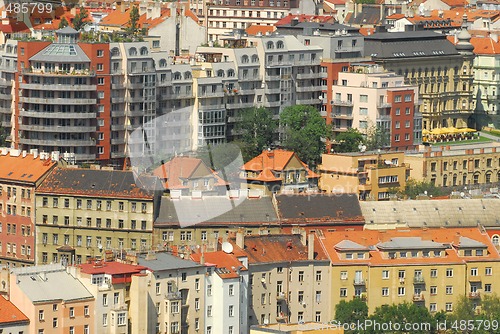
[[71, 312], [231, 290], [105, 319], [397, 98], [174, 307], [318, 296], [231, 310], [54, 322], [41, 315], [407, 97], [121, 320], [487, 288], [449, 290], [116, 298], [318, 275], [209, 310], [363, 98], [385, 274], [343, 292], [449, 307], [488, 271], [105, 299], [301, 276], [473, 271], [433, 307], [385, 291], [343, 275], [401, 291], [209, 289], [433, 290], [449, 272], [434, 273], [71, 330]]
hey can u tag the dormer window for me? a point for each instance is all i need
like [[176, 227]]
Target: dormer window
[[348, 256], [479, 252]]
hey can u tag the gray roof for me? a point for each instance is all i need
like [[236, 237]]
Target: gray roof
[[432, 213], [61, 52], [215, 209], [409, 243], [50, 282], [165, 261], [67, 30], [408, 44], [466, 242], [350, 245], [319, 206]]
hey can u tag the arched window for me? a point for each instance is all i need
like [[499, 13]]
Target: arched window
[[115, 52], [270, 45], [495, 240], [255, 59], [163, 63], [177, 76], [220, 73], [244, 59], [230, 73], [280, 45], [187, 75], [445, 180], [144, 51], [132, 52]]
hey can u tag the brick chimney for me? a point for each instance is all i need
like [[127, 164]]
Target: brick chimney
[[310, 246]]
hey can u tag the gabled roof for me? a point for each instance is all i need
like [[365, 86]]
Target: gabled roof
[[456, 3], [228, 264], [275, 160], [409, 243], [349, 245], [27, 169], [98, 183], [173, 172], [14, 26], [465, 242], [255, 29], [9, 313]]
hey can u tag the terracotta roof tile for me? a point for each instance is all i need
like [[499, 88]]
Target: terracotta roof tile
[[9, 313], [485, 45], [25, 169], [221, 260], [255, 29], [278, 248], [110, 268], [372, 238], [305, 18]]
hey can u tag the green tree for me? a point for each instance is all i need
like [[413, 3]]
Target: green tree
[[133, 23], [351, 312], [80, 19], [403, 313], [414, 188], [348, 141], [3, 137], [256, 130], [377, 138], [305, 132], [64, 23]]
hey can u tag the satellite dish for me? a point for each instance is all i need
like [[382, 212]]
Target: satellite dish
[[182, 256], [227, 247]]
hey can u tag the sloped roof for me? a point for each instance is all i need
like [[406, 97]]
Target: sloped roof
[[456, 3], [278, 248], [98, 183], [27, 169], [110, 268], [50, 282], [165, 261], [409, 243], [466, 242], [13, 26], [485, 46], [350, 245], [286, 20], [255, 29], [62, 52], [215, 209], [221, 260], [9, 313], [337, 207]]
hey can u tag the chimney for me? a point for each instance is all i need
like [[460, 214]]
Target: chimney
[[295, 21], [240, 239], [303, 237], [310, 246], [202, 259]]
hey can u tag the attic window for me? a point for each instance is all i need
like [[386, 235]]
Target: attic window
[[30, 176], [10, 174], [373, 209], [23, 175]]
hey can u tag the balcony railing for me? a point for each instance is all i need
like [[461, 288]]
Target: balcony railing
[[474, 295], [359, 281], [56, 128], [345, 103], [418, 280], [71, 101], [38, 86], [280, 296], [57, 142], [308, 101], [58, 115], [174, 295]]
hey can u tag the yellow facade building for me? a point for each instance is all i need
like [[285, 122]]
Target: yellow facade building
[[429, 267], [81, 213], [372, 175]]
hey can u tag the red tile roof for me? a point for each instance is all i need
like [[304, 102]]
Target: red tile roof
[[174, 171], [337, 2], [275, 160], [13, 26], [278, 248], [369, 238], [255, 29], [25, 169], [456, 3], [221, 260], [110, 268], [485, 45], [9, 313], [305, 18]]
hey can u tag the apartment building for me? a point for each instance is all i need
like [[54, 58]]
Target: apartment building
[[276, 171], [8, 66], [228, 282], [366, 97], [53, 300], [188, 222], [289, 279], [429, 267], [371, 175], [459, 165], [20, 175], [486, 74], [441, 70], [109, 282], [169, 296], [81, 213], [12, 320]]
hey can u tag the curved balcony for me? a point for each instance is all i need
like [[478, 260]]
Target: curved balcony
[[38, 100], [57, 128], [80, 73], [57, 142], [58, 115]]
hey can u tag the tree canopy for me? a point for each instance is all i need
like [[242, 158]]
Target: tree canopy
[[3, 137], [351, 312], [377, 138], [64, 23], [133, 23], [256, 131], [304, 132], [80, 19], [348, 141], [414, 188]]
